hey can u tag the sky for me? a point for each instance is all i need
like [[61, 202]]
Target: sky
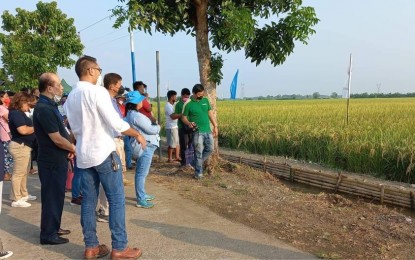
[[378, 33]]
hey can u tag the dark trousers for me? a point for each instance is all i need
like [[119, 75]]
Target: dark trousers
[[52, 180], [185, 141]]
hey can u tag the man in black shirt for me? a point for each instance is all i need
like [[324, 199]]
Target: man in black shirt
[[54, 150]]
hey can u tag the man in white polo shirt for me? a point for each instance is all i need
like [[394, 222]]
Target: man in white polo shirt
[[93, 121]]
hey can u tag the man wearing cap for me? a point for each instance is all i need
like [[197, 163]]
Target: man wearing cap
[[93, 121]]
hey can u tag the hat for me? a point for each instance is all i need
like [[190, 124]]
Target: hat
[[134, 97]]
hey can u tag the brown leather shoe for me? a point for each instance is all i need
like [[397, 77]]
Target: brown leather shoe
[[96, 252], [127, 253]]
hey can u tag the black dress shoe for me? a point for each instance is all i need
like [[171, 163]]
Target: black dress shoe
[[55, 241], [63, 232]]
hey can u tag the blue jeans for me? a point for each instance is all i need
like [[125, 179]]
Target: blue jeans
[[76, 181], [203, 145], [142, 169], [114, 189], [128, 152]]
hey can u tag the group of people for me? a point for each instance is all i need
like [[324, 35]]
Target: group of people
[[102, 131], [188, 131]]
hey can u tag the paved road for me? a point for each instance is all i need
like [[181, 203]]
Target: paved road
[[175, 228]]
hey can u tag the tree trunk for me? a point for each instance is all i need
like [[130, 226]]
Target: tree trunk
[[203, 57]]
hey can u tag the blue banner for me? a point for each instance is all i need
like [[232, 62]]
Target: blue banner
[[234, 85]]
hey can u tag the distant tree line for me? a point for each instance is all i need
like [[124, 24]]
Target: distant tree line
[[382, 95], [315, 95], [334, 95]]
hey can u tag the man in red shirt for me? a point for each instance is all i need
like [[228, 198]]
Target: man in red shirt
[[146, 109]]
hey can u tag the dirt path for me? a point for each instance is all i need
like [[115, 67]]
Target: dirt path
[[325, 224]]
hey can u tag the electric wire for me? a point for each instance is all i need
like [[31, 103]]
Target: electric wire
[[105, 35], [89, 26], [116, 39]]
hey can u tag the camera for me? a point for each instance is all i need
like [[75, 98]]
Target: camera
[[190, 130], [195, 128]]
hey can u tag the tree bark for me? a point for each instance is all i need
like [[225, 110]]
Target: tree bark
[[203, 56]]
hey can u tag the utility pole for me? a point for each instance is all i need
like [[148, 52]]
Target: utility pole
[[378, 88], [349, 82], [158, 94], [132, 53]]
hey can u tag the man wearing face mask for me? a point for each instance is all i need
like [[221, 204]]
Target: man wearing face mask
[[185, 138], [54, 151], [112, 82], [197, 115]]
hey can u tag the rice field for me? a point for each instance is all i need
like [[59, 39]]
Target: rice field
[[379, 139]]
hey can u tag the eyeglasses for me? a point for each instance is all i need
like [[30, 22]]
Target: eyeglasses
[[98, 69]]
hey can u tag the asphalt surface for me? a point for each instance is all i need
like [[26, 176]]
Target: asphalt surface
[[175, 228]]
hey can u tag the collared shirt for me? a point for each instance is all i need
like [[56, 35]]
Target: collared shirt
[[47, 120], [93, 121]]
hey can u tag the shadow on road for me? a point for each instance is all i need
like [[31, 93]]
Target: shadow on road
[[203, 237]]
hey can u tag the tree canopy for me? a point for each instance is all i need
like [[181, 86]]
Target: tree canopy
[[232, 25], [37, 42]]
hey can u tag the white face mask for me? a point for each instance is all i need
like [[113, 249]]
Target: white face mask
[[100, 82], [57, 98]]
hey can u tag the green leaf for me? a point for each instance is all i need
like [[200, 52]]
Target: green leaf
[[36, 42]]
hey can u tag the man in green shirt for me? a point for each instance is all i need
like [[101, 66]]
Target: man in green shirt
[[197, 114], [185, 138]]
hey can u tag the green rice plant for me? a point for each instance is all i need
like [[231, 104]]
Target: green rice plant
[[379, 139]]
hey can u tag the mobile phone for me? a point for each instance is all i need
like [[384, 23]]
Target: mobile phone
[[114, 163]]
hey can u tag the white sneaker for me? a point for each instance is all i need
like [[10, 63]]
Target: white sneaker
[[20, 204], [29, 197], [5, 254]]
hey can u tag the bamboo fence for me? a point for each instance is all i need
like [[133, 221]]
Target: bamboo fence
[[384, 193]]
